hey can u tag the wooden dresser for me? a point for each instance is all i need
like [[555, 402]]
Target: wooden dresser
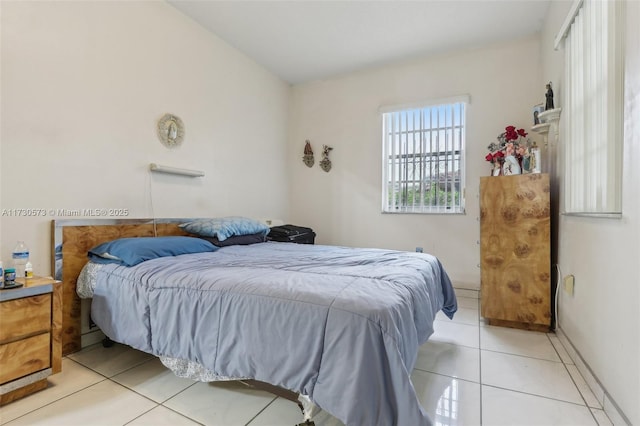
[[515, 257], [30, 337]]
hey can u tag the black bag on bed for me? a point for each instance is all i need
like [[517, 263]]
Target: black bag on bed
[[291, 234]]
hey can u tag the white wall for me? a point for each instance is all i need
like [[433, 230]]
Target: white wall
[[344, 205], [83, 85], [602, 318]]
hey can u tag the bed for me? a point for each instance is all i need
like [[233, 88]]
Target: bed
[[338, 325]]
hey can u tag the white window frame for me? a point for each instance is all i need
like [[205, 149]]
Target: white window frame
[[423, 144], [593, 38]]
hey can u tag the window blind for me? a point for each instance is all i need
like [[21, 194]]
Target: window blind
[[593, 130]]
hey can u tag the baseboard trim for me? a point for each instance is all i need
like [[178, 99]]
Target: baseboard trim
[[466, 292], [91, 338], [610, 407]]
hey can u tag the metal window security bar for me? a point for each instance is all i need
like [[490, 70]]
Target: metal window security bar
[[423, 157]]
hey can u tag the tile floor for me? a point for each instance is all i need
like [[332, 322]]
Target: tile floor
[[467, 374]]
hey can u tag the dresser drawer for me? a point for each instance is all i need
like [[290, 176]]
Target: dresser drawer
[[24, 357], [24, 317]]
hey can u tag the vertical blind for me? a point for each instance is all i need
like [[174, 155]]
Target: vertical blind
[[593, 111], [423, 161]]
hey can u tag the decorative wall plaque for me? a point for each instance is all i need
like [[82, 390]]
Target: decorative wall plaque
[[170, 131], [325, 163], [307, 158]]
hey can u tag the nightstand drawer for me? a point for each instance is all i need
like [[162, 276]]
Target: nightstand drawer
[[25, 357], [24, 317]]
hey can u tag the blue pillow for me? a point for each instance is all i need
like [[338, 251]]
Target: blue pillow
[[131, 251], [225, 227]]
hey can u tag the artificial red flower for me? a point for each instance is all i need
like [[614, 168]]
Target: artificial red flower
[[510, 142], [510, 134]]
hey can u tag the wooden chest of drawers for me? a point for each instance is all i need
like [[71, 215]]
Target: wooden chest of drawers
[[30, 337], [515, 251]]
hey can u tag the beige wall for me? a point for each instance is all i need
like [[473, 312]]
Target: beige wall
[[83, 85], [602, 317], [344, 206]]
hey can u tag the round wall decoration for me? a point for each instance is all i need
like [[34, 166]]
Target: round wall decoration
[[170, 130]]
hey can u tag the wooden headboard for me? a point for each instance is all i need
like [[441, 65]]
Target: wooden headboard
[[77, 237]]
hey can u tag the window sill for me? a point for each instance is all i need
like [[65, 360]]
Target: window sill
[[442, 211], [604, 215]]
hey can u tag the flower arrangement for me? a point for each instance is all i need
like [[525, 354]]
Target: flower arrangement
[[511, 142]]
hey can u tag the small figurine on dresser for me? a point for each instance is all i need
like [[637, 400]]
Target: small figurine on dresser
[[549, 95]]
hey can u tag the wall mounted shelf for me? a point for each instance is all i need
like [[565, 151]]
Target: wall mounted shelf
[[175, 171], [543, 128], [550, 115]]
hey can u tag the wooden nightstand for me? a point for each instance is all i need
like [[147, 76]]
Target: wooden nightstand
[[30, 336]]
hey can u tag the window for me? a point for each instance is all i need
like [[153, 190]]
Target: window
[[423, 157], [593, 137]]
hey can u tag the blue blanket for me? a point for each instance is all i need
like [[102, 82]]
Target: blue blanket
[[340, 325]]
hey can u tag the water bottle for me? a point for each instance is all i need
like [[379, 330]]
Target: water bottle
[[1, 275], [20, 257]]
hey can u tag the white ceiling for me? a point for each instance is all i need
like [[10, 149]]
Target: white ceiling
[[302, 40]]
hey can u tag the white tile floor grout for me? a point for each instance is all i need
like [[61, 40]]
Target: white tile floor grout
[[480, 367], [468, 373]]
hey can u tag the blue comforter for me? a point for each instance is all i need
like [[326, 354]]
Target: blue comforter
[[340, 325]]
